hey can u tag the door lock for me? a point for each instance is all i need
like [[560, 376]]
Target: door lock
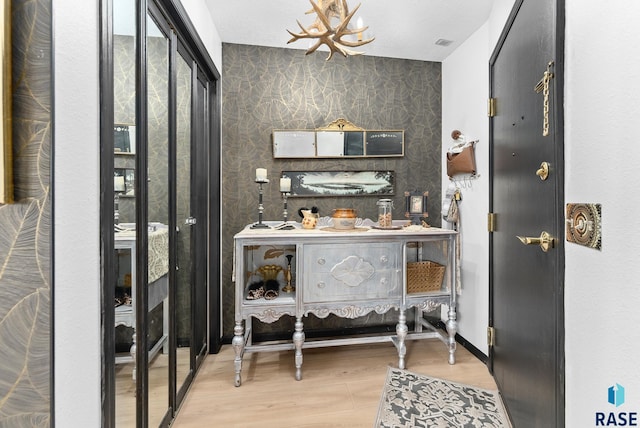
[[545, 241]]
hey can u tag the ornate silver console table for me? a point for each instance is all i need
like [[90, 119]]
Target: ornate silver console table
[[158, 286], [345, 273]]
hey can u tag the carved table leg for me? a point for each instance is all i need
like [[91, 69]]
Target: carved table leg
[[401, 331], [452, 329], [298, 340], [238, 346]]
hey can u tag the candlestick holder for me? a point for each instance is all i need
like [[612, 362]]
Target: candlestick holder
[[288, 288], [285, 214], [260, 224], [116, 207]]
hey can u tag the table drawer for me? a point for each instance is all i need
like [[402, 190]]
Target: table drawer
[[351, 272], [323, 287]]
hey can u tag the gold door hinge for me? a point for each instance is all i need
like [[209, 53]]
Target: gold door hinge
[[491, 336], [491, 107], [491, 222]]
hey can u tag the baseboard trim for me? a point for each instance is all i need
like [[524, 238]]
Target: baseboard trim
[[472, 349], [462, 341]]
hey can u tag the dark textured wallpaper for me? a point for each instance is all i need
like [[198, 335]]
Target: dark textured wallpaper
[[273, 88], [158, 154], [25, 228]]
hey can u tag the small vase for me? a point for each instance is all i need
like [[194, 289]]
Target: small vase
[[269, 271]]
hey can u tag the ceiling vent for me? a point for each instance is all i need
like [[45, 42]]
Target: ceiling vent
[[443, 42]]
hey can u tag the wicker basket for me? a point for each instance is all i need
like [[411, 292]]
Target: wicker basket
[[424, 276]]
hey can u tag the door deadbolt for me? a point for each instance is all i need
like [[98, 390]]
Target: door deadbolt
[[543, 171], [545, 241]]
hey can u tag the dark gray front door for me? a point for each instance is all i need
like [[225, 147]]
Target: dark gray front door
[[526, 283]]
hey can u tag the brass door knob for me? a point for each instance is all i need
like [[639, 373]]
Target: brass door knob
[[545, 241]]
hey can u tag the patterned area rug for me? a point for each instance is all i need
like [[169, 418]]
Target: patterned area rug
[[412, 400]]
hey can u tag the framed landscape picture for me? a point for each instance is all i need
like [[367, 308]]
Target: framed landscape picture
[[341, 183]]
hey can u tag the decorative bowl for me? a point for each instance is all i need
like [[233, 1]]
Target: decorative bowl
[[344, 218]]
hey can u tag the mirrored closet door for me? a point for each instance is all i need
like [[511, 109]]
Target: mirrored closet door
[[158, 172], [159, 281], [125, 208], [184, 273]]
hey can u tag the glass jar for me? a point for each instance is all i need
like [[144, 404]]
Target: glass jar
[[385, 216]]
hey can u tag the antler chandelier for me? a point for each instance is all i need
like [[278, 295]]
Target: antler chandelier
[[326, 33]]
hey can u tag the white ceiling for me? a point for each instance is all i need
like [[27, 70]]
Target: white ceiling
[[402, 28]]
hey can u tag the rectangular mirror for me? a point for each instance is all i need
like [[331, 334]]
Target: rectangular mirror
[[330, 143], [354, 143], [124, 139], [385, 143], [338, 139], [294, 144]]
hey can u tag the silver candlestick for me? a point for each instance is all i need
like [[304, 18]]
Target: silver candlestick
[[285, 214], [116, 207], [260, 224]]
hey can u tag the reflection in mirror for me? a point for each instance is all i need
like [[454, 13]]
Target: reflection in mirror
[[384, 143], [199, 302], [155, 177], [294, 144], [183, 183], [339, 143], [353, 143], [158, 213], [124, 182], [124, 138], [124, 45], [330, 143]]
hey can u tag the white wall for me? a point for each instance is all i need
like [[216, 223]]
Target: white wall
[[602, 289], [465, 90], [77, 335], [200, 17], [464, 107], [77, 349]]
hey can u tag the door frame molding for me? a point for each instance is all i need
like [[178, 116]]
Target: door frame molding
[[557, 135]]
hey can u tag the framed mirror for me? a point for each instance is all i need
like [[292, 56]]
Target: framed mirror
[[294, 144], [339, 139], [124, 139]]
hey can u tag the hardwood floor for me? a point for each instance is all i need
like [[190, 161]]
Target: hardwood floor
[[158, 388], [340, 386]]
